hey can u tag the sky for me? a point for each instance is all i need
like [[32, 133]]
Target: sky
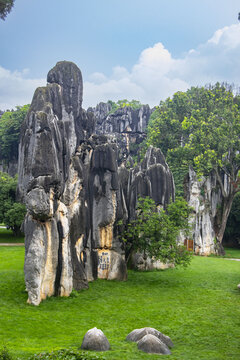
[[126, 49]]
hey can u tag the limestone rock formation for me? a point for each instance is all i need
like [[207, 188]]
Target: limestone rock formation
[[76, 188], [95, 340], [204, 196], [127, 126], [152, 178], [151, 344], [137, 334]]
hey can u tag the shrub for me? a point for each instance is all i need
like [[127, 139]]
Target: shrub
[[66, 354]]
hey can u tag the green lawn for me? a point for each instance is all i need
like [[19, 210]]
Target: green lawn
[[232, 253], [199, 308], [6, 236]]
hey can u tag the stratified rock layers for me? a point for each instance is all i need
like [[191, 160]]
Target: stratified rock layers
[[75, 192]]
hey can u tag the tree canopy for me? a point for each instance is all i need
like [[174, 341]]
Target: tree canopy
[[201, 128], [135, 104], [5, 8], [10, 124]]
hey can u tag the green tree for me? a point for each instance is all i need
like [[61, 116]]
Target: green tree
[[10, 125], [5, 8], [134, 104], [11, 212], [154, 232], [205, 135]]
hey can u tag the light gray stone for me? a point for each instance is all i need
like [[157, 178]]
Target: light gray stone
[[137, 334], [151, 344], [204, 196], [95, 340]]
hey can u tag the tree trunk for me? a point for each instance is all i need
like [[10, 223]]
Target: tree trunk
[[222, 222]]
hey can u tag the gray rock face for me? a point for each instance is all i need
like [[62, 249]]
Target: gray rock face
[[137, 334], [75, 192], [53, 129], [151, 344], [100, 112], [205, 198], [127, 126], [123, 120], [152, 178], [95, 340]]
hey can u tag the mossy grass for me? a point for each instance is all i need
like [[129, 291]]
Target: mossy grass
[[198, 307]]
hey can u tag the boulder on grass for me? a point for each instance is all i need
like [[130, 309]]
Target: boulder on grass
[[95, 340], [152, 345], [138, 334]]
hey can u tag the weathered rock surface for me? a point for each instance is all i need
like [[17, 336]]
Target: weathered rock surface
[[151, 344], [152, 178], [137, 334], [75, 191], [204, 196], [127, 126], [95, 340]]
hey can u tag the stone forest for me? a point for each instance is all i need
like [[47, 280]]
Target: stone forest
[[80, 176], [119, 180], [109, 190]]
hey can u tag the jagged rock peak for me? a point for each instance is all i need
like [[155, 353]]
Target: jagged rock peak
[[153, 156], [123, 120], [101, 111], [69, 77]]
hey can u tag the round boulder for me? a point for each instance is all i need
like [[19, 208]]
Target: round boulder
[[95, 340], [152, 345], [138, 334]]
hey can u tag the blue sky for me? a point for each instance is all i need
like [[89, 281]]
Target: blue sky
[[141, 49]]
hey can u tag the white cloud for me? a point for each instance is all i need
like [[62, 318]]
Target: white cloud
[[16, 89], [155, 76]]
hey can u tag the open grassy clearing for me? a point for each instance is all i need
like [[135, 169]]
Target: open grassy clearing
[[199, 308]]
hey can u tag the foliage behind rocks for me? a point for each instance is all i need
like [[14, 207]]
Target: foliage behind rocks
[[10, 124], [11, 212]]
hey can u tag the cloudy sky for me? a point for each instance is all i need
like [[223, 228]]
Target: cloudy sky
[[135, 49]]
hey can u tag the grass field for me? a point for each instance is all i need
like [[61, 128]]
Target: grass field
[[232, 253], [199, 308], [6, 236]]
